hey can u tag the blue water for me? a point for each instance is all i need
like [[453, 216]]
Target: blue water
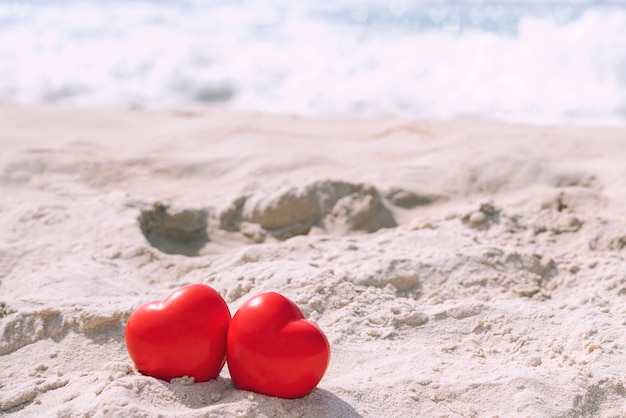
[[529, 61]]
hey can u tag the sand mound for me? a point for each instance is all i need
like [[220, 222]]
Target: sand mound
[[287, 211]]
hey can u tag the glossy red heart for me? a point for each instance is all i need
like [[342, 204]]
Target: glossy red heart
[[182, 335], [273, 350]]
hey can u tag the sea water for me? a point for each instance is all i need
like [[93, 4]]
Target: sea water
[[527, 61]]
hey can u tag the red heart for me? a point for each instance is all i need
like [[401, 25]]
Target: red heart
[[273, 350], [182, 335]]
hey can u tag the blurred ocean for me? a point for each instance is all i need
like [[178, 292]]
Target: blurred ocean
[[516, 60]]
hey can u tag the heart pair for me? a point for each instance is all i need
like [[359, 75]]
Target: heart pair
[[270, 347]]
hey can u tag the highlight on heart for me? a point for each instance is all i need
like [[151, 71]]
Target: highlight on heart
[[270, 347]]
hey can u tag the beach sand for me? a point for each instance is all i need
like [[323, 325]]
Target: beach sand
[[459, 268]]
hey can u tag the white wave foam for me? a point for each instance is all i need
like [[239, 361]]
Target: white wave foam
[[293, 59]]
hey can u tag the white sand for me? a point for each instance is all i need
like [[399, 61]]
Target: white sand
[[497, 288]]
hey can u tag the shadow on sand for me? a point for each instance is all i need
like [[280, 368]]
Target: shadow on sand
[[218, 394]]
